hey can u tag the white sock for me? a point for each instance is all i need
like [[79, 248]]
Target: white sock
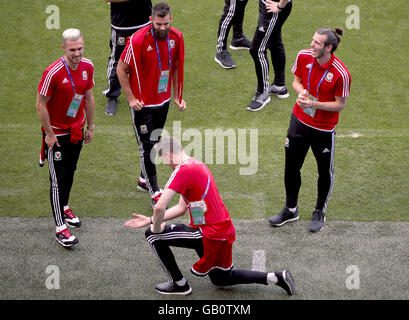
[[66, 208], [271, 278], [181, 282], [60, 228], [293, 209]]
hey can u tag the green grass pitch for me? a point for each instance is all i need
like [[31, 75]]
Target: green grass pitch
[[367, 215], [371, 157]]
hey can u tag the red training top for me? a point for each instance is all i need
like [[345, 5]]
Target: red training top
[[56, 83], [335, 84], [141, 54], [190, 179]]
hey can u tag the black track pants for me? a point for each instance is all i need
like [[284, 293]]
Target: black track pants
[[180, 235], [148, 125], [299, 140], [62, 163], [268, 36], [233, 15]]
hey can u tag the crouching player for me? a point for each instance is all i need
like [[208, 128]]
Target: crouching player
[[211, 232]]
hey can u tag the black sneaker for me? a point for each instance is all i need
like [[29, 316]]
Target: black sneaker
[[223, 58], [111, 107], [65, 238], [284, 216], [172, 288], [240, 44], [281, 92], [285, 280], [142, 185], [317, 221], [259, 101]]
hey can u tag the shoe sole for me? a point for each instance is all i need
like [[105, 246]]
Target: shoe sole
[[73, 225], [239, 48], [109, 114], [261, 107], [281, 96], [65, 245], [185, 293], [77, 225], [223, 66], [289, 280], [289, 220]]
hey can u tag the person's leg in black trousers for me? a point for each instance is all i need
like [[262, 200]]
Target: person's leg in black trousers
[[148, 126]]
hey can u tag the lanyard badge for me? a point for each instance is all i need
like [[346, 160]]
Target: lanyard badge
[[76, 100], [198, 208], [311, 111], [164, 74]]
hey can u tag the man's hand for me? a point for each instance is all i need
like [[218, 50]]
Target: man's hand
[[181, 105], [89, 134], [139, 221], [303, 100], [272, 6], [51, 140], [136, 104]]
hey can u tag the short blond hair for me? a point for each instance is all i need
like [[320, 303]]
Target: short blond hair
[[168, 144], [71, 34]]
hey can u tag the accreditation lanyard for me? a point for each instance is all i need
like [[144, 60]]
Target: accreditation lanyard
[[69, 73], [158, 53], [76, 100], [198, 208], [319, 83]]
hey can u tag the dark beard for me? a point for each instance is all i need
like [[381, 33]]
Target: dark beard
[[161, 35]]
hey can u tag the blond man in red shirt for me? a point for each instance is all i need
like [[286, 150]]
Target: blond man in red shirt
[[65, 103]]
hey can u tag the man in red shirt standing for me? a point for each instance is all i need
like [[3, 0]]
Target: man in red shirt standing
[[65, 102], [151, 60], [211, 232], [322, 83]]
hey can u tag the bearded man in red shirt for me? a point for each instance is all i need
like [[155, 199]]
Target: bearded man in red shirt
[[152, 60]]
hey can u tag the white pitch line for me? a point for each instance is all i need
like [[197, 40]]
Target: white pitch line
[[350, 135], [259, 261]]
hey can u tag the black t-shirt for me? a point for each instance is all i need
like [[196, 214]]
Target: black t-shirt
[[132, 13]]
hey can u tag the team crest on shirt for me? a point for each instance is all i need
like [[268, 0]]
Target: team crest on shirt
[[57, 156], [329, 76], [172, 43], [287, 142], [308, 66], [121, 41], [84, 75], [144, 129]]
